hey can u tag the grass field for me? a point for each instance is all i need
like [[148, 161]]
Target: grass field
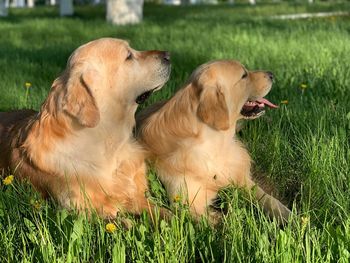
[[302, 148]]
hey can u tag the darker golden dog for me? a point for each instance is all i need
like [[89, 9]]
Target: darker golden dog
[[79, 147], [191, 137]]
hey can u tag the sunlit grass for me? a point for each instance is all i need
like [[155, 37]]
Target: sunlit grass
[[302, 148]]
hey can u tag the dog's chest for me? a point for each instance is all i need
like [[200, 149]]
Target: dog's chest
[[214, 162], [81, 156]]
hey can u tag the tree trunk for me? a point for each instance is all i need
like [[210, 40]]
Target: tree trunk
[[66, 8], [212, 2], [172, 2], [19, 3], [122, 12], [194, 2], [3, 8], [30, 3]]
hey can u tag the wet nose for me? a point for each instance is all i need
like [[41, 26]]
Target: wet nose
[[166, 56], [270, 74]]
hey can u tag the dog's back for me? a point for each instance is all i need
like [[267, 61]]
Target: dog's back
[[12, 125], [143, 115]]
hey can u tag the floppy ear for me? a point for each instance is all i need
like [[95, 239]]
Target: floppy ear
[[78, 101], [212, 108]]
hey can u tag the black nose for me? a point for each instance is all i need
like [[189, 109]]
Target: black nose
[[166, 56], [270, 74]]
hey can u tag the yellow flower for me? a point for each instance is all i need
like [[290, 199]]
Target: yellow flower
[[36, 203], [305, 220], [8, 180], [28, 85], [303, 86], [111, 228], [284, 101], [177, 198]]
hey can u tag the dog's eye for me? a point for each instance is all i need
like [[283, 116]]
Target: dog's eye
[[129, 56], [245, 75]]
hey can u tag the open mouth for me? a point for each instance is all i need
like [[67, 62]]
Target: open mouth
[[255, 109], [144, 96]]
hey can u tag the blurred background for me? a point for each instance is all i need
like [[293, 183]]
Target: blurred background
[[302, 148]]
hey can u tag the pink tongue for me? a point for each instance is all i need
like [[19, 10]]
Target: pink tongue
[[267, 102]]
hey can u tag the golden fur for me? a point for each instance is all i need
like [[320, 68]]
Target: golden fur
[[79, 147], [191, 137]]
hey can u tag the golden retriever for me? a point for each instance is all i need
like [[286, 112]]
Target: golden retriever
[[191, 137], [79, 148]]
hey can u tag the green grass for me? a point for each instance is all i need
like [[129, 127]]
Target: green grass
[[302, 148]]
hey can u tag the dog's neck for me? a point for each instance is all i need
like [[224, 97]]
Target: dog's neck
[[216, 136], [114, 129]]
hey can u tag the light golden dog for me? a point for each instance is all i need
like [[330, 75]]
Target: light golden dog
[[79, 147], [191, 137]]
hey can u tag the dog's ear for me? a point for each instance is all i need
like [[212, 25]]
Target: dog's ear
[[78, 100], [212, 108]]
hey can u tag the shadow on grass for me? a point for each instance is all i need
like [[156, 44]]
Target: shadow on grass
[[81, 12], [239, 12]]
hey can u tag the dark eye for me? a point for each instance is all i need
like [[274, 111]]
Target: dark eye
[[129, 56], [245, 75]]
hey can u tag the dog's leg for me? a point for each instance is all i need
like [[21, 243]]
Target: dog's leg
[[199, 201], [271, 206]]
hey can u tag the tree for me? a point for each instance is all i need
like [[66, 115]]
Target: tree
[[66, 7], [122, 12], [30, 3], [19, 3], [193, 2], [3, 8], [172, 2]]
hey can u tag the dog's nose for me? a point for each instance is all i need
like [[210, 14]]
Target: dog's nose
[[166, 56], [270, 74]]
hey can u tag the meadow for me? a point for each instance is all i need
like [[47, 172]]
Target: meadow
[[302, 148]]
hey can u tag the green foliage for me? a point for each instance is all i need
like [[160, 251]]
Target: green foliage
[[302, 148]]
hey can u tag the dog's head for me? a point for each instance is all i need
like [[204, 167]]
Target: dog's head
[[227, 92], [104, 76]]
